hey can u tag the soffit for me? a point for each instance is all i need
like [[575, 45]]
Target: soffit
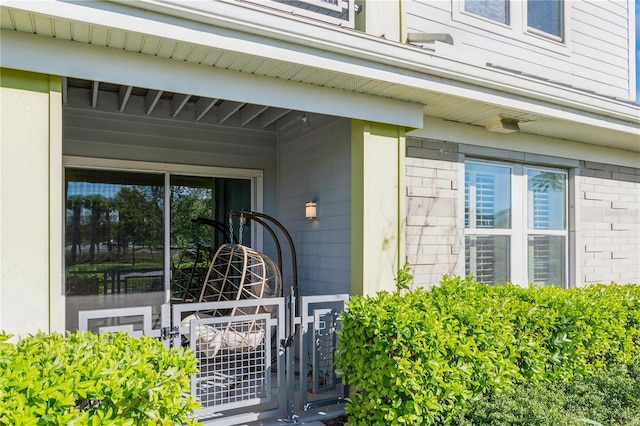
[[438, 105]]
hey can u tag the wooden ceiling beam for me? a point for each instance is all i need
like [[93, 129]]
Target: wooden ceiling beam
[[94, 93], [203, 105], [272, 115], [151, 100], [178, 102], [227, 109], [123, 96], [249, 112]]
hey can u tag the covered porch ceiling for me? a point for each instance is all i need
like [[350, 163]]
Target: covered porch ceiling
[[110, 97], [615, 130]]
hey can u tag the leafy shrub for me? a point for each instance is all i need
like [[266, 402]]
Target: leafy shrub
[[609, 397], [417, 358], [108, 379]]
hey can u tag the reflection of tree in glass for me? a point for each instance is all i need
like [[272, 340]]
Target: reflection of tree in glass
[[74, 203], [188, 203], [109, 207], [139, 219], [96, 205], [545, 181]]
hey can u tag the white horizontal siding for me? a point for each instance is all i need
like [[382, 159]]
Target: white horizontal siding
[[592, 49], [614, 19], [607, 62], [596, 57]]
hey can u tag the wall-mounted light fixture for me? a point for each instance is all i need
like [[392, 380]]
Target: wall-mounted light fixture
[[502, 125], [310, 210], [305, 118]]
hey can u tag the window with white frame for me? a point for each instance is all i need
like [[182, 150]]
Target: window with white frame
[[515, 223], [544, 18]]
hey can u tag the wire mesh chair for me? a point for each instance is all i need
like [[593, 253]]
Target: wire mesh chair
[[192, 265], [189, 273], [234, 353], [237, 272]]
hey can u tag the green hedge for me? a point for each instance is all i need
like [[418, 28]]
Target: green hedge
[[88, 379], [419, 357], [610, 397]]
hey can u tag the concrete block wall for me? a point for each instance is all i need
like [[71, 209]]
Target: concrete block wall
[[434, 230], [609, 223]]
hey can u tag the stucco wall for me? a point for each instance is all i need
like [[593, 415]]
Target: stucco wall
[[609, 223], [30, 233]]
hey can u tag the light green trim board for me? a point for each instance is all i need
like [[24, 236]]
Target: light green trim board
[[357, 206], [377, 205], [31, 81]]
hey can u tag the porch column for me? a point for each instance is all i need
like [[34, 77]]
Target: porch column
[[30, 202], [377, 206]]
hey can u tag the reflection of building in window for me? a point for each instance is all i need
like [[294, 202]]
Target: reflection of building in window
[[485, 200], [480, 250], [485, 259], [485, 218], [541, 210], [481, 258], [540, 244]]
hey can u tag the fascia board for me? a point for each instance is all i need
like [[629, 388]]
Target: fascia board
[[61, 57], [340, 51]]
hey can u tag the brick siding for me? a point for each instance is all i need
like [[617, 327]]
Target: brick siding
[[609, 223], [432, 230]]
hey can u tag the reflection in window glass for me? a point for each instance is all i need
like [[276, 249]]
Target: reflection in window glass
[[113, 241], [193, 244], [546, 260], [487, 258], [496, 10], [545, 16], [487, 196], [115, 233], [547, 199]]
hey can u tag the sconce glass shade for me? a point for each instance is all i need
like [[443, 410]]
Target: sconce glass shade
[[310, 210]]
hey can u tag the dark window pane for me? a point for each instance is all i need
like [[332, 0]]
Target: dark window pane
[[545, 16]]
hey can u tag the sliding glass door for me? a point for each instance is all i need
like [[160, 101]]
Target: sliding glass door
[[130, 234]]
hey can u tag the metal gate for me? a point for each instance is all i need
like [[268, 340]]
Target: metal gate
[[277, 364]]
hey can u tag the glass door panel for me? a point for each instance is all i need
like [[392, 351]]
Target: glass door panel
[[194, 243], [114, 242], [114, 251]]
